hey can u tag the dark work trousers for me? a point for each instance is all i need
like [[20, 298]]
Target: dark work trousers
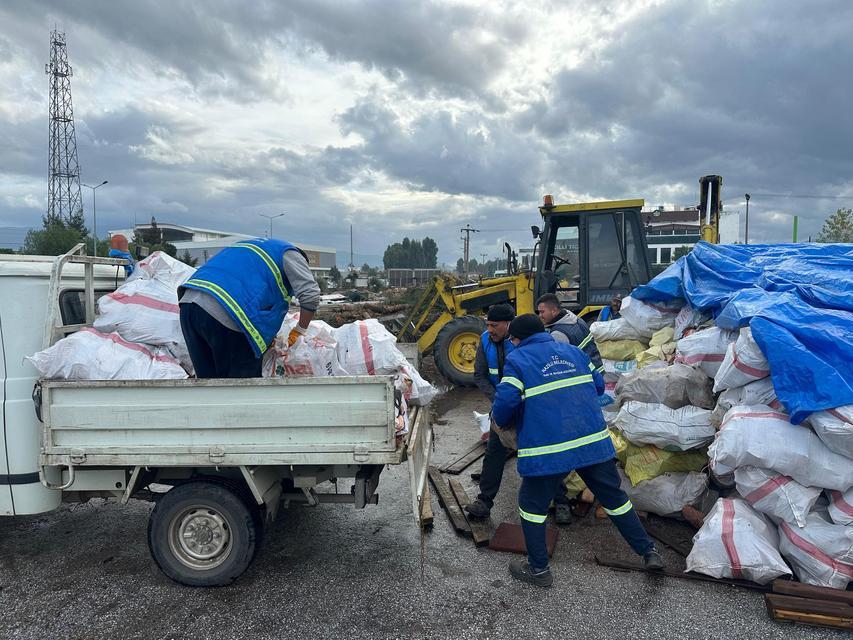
[[215, 350], [493, 469], [603, 480]]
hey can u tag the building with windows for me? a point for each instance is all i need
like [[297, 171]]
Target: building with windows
[[203, 244], [667, 231]]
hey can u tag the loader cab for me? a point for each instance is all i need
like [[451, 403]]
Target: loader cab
[[588, 253]]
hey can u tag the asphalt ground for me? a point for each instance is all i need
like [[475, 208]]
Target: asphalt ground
[[84, 572]]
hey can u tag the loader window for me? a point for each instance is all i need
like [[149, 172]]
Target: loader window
[[565, 262], [605, 253]]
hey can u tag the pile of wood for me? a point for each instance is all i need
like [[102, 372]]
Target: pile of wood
[[341, 314], [797, 602]]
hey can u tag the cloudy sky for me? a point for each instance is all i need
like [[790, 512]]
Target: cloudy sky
[[416, 118]]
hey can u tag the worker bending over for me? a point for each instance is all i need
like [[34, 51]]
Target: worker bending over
[[233, 306], [488, 368], [554, 388]]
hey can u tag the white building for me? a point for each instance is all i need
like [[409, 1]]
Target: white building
[[203, 244]]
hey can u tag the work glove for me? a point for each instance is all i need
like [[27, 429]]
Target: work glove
[[295, 333]]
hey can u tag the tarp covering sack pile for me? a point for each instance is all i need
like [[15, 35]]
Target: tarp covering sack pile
[[797, 301]]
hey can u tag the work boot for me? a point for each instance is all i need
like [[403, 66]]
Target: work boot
[[478, 509], [652, 561], [521, 570], [562, 513]]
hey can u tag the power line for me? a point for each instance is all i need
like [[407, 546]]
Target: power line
[[797, 195]]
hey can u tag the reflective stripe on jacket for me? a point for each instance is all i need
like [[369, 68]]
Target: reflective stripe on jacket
[[490, 350], [248, 280], [555, 388]]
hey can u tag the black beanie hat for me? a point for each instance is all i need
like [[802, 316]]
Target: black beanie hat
[[500, 313], [525, 326]]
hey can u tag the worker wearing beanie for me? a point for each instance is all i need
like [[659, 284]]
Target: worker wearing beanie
[[554, 388], [488, 368]]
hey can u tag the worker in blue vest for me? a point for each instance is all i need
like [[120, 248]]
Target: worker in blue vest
[[233, 306], [488, 367], [550, 391], [611, 311]]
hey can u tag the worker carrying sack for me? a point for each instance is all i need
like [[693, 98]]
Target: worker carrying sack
[[669, 429], [705, 349], [775, 495], [744, 363], [821, 553], [759, 436], [835, 428], [737, 542]]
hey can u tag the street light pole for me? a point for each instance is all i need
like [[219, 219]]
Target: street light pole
[[270, 218], [95, 217], [746, 231]]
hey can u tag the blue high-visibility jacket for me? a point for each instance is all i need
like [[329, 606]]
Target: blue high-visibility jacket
[[248, 280], [555, 388], [490, 350]]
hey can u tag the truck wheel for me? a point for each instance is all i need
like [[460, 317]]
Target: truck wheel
[[456, 348], [202, 534]]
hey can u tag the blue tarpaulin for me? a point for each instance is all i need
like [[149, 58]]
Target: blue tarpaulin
[[798, 301]]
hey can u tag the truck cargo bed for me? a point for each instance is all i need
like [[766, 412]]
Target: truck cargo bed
[[229, 422]]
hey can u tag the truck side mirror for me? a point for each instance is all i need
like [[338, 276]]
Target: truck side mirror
[[536, 232]]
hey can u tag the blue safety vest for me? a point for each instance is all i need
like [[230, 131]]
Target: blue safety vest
[[490, 350], [248, 280], [555, 388]]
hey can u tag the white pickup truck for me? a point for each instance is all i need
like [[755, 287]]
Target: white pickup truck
[[232, 450]]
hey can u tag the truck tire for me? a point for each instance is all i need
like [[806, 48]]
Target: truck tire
[[202, 534], [456, 347]]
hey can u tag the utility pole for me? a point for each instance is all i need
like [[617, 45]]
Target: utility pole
[[468, 230], [270, 218], [746, 231], [483, 256], [95, 217], [64, 202], [351, 255]]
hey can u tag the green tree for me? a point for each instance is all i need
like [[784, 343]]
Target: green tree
[[365, 268], [460, 266], [838, 227], [186, 258], [680, 252], [55, 239], [411, 254], [6, 251], [375, 284], [152, 238], [334, 277]]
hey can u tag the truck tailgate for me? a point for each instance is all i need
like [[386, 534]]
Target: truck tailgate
[[227, 422]]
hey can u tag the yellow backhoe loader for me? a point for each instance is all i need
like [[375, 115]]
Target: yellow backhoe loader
[[585, 254]]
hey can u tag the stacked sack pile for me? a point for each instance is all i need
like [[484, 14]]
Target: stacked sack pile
[[137, 336], [364, 347], [758, 398]]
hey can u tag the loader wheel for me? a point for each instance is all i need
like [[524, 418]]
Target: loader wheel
[[202, 534], [456, 348]]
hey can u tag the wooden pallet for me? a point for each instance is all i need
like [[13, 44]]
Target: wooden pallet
[[805, 604], [448, 501]]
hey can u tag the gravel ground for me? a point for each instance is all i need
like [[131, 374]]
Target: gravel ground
[[84, 572]]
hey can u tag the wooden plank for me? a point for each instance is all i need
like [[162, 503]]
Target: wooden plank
[[697, 577], [468, 458], [809, 611], [800, 590], [479, 528], [426, 508], [448, 501], [668, 538]]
